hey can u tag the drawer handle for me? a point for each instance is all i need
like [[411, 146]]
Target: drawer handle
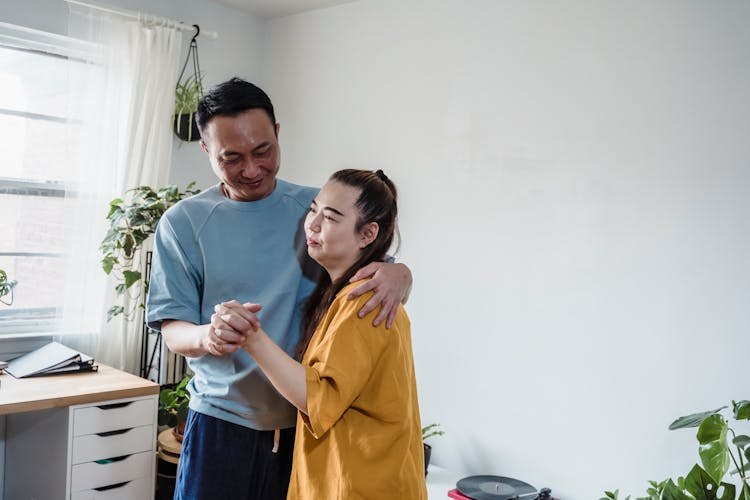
[[111, 486], [114, 406], [105, 461], [113, 433]]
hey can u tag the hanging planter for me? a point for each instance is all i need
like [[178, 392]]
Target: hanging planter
[[187, 94]]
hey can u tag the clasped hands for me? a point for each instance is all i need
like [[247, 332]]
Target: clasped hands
[[232, 325]]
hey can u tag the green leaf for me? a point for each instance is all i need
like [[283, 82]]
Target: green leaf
[[673, 492], [741, 410], [741, 441], [114, 206], [713, 450], [128, 246], [107, 263], [114, 311], [702, 486], [167, 418], [693, 420], [182, 409], [120, 288], [131, 277]]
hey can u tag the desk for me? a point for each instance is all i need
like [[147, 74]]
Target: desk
[[440, 481], [80, 436]]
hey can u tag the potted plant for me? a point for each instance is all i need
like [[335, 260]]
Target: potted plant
[[6, 287], [427, 432], [173, 406], [188, 93], [719, 448], [132, 221], [186, 97]]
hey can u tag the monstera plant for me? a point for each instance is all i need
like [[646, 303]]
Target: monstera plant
[[719, 448]]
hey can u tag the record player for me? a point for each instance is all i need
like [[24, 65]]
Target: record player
[[497, 488]]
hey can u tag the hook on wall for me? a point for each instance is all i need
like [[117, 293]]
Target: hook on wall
[[197, 32]]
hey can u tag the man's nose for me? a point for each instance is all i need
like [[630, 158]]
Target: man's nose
[[251, 168]]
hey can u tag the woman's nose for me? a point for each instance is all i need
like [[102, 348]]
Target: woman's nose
[[313, 222]]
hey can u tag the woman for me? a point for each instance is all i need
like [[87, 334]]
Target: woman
[[358, 429]]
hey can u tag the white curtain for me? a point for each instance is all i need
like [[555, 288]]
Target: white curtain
[[125, 104]]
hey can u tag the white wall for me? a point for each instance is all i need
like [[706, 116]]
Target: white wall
[[575, 206], [236, 52]]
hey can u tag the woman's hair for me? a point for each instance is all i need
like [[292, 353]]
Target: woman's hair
[[376, 203]]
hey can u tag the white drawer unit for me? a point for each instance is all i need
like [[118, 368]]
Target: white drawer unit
[[138, 488], [93, 447], [113, 416], [104, 450]]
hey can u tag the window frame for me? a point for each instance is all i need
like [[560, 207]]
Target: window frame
[[44, 44]]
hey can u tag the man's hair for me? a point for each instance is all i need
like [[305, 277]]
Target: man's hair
[[231, 98]]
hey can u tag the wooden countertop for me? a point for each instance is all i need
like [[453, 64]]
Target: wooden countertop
[[56, 391]]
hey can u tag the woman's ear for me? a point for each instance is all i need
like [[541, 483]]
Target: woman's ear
[[368, 233]]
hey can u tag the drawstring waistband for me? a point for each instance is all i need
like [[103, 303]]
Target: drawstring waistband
[[276, 436]]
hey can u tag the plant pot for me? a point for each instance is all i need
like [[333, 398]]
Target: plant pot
[[427, 453], [186, 128], [179, 430]]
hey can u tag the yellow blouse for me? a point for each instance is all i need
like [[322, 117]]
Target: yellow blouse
[[362, 438]]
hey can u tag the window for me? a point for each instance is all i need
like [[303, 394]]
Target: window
[[40, 191]]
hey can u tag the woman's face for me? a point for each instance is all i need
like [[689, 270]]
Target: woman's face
[[332, 238]]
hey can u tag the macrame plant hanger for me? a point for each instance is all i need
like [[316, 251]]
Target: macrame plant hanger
[[188, 93]]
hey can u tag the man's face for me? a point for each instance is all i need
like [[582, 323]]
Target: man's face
[[244, 153]]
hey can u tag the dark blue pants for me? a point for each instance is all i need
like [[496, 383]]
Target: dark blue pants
[[224, 461]]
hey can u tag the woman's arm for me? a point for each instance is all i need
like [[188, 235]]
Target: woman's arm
[[286, 374]]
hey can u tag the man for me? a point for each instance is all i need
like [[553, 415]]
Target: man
[[240, 240]]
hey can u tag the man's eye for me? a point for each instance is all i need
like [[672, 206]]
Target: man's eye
[[231, 160], [261, 154]]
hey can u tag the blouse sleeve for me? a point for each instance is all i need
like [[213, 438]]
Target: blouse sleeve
[[339, 366]]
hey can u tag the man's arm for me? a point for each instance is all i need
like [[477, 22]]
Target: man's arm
[[392, 285]]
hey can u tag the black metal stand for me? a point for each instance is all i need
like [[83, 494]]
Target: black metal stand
[[179, 366]]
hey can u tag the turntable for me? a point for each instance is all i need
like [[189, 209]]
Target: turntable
[[497, 488]]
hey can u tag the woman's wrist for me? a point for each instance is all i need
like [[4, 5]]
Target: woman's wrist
[[255, 339]]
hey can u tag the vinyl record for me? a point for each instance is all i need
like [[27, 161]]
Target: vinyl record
[[494, 488]]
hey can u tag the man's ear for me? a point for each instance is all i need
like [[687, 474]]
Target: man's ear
[[368, 233], [278, 127], [203, 146]]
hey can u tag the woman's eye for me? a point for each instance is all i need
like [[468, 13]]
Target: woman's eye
[[328, 217], [312, 210]]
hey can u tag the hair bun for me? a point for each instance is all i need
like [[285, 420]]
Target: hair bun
[[382, 175]]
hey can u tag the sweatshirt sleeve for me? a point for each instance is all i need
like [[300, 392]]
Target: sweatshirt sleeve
[[175, 285]]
